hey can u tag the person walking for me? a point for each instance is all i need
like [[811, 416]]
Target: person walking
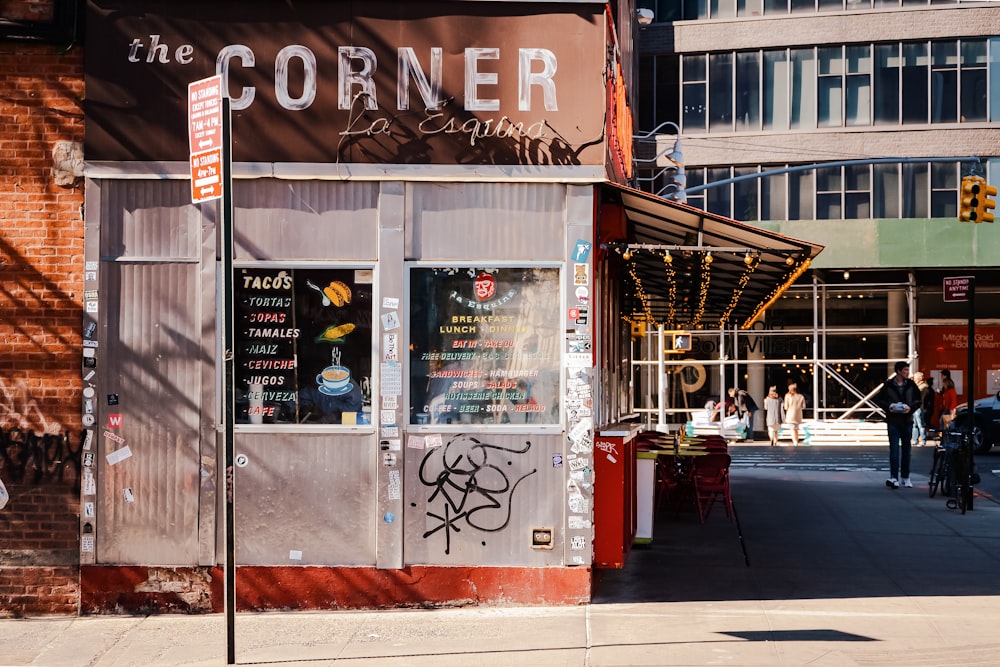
[[899, 397], [744, 407], [949, 401], [794, 405], [919, 436], [773, 414]]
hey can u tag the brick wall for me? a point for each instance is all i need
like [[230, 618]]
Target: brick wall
[[41, 274]]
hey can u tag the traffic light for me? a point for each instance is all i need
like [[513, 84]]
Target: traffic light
[[682, 342], [985, 203], [968, 209]]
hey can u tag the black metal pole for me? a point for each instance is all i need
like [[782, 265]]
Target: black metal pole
[[970, 375], [227, 347]]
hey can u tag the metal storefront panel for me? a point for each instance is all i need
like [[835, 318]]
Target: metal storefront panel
[[143, 219], [305, 220], [479, 498], [151, 364], [501, 221], [305, 499]]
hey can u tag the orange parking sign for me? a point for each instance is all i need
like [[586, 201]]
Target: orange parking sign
[[206, 176]]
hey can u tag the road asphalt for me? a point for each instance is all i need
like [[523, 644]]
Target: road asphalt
[[822, 566]]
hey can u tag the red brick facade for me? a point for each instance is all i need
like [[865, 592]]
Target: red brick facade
[[41, 282]]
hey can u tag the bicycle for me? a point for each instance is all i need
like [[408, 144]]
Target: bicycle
[[953, 470]]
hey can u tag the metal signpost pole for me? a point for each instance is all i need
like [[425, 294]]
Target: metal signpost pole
[[970, 376], [228, 348]]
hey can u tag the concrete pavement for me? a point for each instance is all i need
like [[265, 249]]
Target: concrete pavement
[[824, 566]]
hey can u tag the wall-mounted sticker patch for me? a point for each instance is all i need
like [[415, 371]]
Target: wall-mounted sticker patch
[[241, 460], [390, 402], [89, 352], [91, 343], [581, 251], [90, 266], [390, 303], [388, 459], [127, 493], [88, 406], [389, 432], [88, 376], [87, 544], [89, 483], [432, 440], [115, 420], [90, 276], [578, 522], [91, 307], [88, 332], [88, 392], [88, 420], [88, 439], [395, 486], [415, 442], [581, 274], [557, 460], [88, 510], [90, 362], [112, 399], [388, 517], [90, 294], [387, 417], [390, 321], [294, 554], [114, 436], [583, 294], [118, 455], [578, 543], [88, 459], [392, 379], [390, 347]]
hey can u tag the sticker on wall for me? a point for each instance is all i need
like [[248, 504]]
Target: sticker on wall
[[557, 460], [579, 463], [118, 455], [91, 307], [390, 302], [89, 483], [91, 343], [415, 442], [241, 460], [388, 459], [90, 276], [390, 321], [88, 376], [114, 436], [578, 543], [88, 439], [112, 399], [432, 440], [88, 392], [578, 504], [392, 379], [583, 295], [388, 517], [577, 359], [88, 420], [578, 522], [127, 494], [90, 266], [90, 362], [581, 274], [90, 294], [389, 431], [395, 486], [387, 417], [115, 420], [581, 251], [88, 406], [88, 459], [88, 510], [390, 402], [87, 543], [390, 347], [294, 554], [88, 332]]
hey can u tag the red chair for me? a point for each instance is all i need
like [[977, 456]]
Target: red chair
[[711, 483]]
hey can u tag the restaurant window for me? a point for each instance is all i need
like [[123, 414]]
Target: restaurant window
[[303, 345], [484, 345]]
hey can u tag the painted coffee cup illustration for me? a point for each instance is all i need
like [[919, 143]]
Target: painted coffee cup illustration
[[335, 377]]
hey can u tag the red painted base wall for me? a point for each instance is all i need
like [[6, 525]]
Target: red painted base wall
[[138, 589]]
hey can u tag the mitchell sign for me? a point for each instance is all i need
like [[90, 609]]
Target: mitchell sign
[[383, 82]]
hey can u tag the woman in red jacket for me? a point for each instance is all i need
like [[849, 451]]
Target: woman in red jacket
[[949, 401]]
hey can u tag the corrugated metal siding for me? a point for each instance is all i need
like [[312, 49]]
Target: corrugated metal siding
[[309, 493], [151, 358], [475, 500], [502, 221], [305, 220]]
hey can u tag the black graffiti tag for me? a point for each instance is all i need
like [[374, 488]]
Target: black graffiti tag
[[472, 489]]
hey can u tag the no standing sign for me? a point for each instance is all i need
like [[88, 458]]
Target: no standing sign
[[205, 138]]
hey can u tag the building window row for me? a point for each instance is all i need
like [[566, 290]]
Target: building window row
[[898, 83], [689, 10], [845, 192]]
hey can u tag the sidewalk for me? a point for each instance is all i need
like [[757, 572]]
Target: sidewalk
[[832, 569]]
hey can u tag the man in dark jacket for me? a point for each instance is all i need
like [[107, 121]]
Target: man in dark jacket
[[899, 398]]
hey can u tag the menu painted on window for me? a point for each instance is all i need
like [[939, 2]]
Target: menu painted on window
[[303, 346], [484, 345]]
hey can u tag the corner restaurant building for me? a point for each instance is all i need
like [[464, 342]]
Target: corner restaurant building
[[429, 301]]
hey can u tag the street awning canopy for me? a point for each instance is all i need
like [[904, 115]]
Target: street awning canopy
[[685, 268]]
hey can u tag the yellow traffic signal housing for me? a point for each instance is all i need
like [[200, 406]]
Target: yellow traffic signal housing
[[968, 210], [682, 342], [638, 330], [985, 203]]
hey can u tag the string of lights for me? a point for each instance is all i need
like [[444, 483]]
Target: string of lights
[[778, 291]]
